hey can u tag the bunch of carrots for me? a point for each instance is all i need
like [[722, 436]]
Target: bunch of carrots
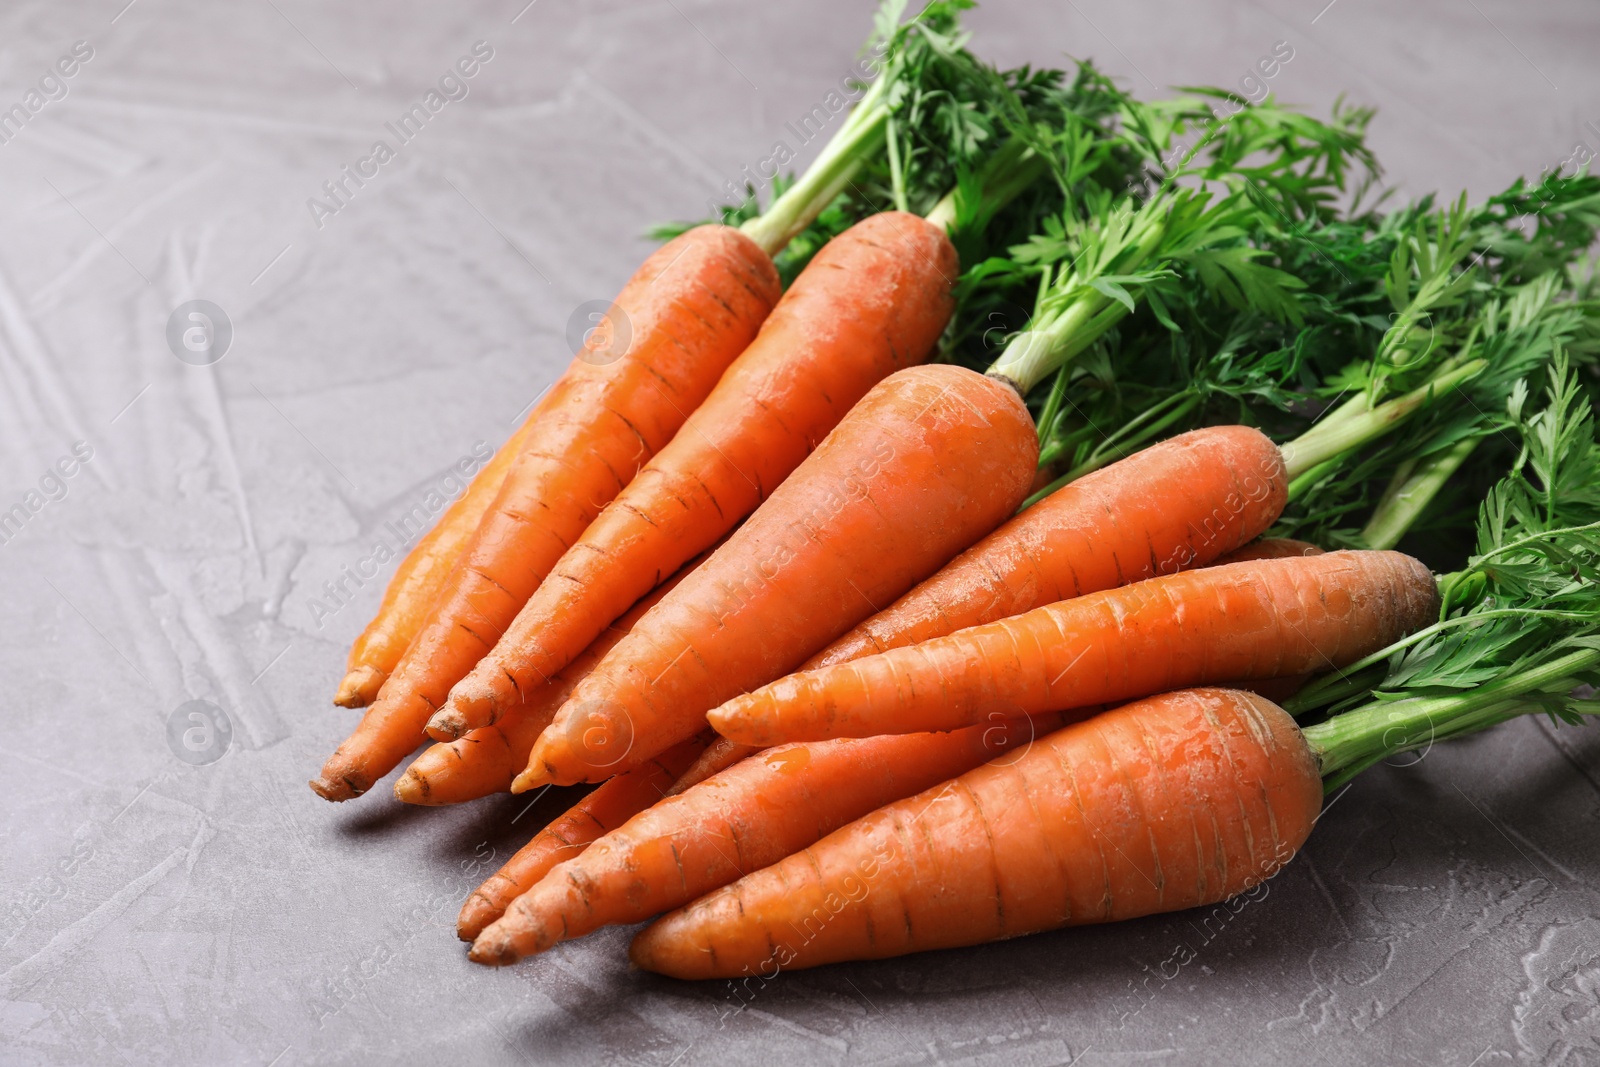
[[915, 570]]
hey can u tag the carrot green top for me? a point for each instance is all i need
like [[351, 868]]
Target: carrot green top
[[1519, 630], [1417, 324], [925, 136]]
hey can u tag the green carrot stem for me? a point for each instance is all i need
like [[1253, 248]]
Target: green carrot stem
[[1004, 176], [861, 135], [1411, 491], [1349, 680], [1335, 686], [897, 176], [1051, 409], [1034, 354], [1298, 486], [1134, 436], [1063, 332], [1062, 443], [1381, 729], [1494, 715], [1329, 440]]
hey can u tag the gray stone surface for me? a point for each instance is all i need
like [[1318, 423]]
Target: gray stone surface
[[159, 910]]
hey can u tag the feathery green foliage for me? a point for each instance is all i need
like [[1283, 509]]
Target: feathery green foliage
[[1519, 626]]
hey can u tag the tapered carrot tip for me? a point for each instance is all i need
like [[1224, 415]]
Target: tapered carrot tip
[[473, 702], [493, 949], [360, 687], [735, 724], [412, 788], [476, 915], [532, 778], [447, 724], [589, 742], [669, 946], [336, 789]]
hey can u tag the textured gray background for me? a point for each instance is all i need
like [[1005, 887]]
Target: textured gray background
[[162, 912]]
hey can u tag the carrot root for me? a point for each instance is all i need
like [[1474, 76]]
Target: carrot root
[[360, 687], [694, 305], [1168, 803], [1264, 618], [607, 807], [874, 300], [931, 458], [745, 817]]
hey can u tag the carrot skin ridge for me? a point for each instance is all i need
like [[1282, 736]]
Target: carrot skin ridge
[[874, 300], [692, 307], [931, 459], [1264, 618], [1181, 503], [602, 810], [743, 818], [1176, 801]]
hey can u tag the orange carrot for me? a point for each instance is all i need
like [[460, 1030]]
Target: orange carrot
[[1178, 504], [1275, 689], [486, 760], [741, 819], [1259, 619], [723, 753], [420, 577], [1173, 802], [929, 460], [1271, 548], [719, 755], [604, 809], [874, 300], [694, 306]]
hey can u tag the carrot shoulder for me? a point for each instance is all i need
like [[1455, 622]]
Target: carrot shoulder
[[605, 808], [874, 300], [1173, 802], [929, 460], [742, 819], [1178, 504], [1258, 619], [420, 577], [690, 310]]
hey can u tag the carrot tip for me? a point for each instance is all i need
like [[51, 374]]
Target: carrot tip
[[493, 952], [739, 728], [476, 915], [532, 778], [360, 687], [446, 725], [411, 788], [334, 791]]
